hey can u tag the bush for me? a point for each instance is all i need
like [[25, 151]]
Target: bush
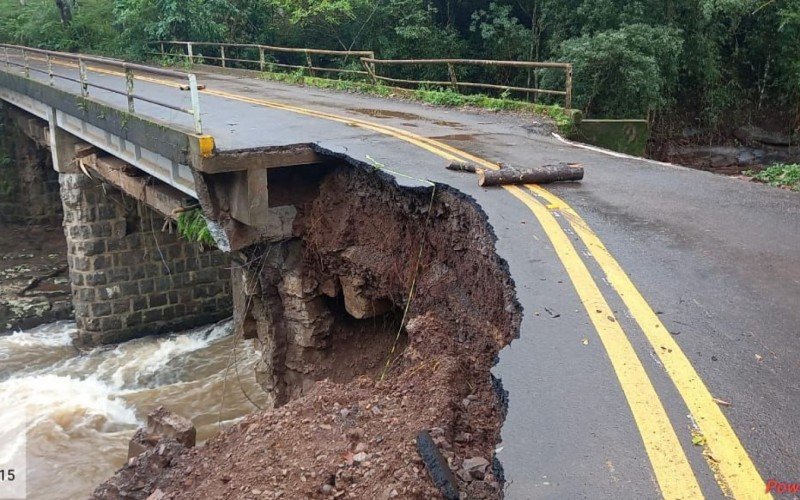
[[622, 73], [779, 174]]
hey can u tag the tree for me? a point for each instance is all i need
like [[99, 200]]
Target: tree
[[65, 9]]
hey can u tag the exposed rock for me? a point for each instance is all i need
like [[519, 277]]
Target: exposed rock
[[751, 134], [475, 467], [162, 424], [358, 305]]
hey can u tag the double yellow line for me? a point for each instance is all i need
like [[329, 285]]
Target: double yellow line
[[733, 468]]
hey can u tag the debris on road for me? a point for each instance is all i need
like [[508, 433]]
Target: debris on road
[[538, 175], [462, 166]]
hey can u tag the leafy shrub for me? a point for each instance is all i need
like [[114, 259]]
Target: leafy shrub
[[779, 174], [622, 73]]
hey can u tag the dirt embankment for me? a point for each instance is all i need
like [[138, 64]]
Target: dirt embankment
[[356, 438]]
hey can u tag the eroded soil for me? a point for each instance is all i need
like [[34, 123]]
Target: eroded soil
[[356, 438]]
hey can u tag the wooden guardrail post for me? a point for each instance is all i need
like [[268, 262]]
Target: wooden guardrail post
[[190, 53], [568, 88], [370, 68], [261, 60], [222, 55], [310, 64], [453, 80]]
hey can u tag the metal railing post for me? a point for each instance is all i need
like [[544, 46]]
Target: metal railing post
[[129, 89], [50, 70], [83, 80], [222, 54], [195, 96], [190, 53], [27, 68], [261, 61], [568, 88]]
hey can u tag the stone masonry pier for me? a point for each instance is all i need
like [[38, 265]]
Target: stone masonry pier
[[130, 278], [131, 274]]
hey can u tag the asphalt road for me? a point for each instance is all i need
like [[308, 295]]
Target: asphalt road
[[717, 259]]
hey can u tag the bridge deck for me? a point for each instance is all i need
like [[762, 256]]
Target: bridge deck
[[716, 258]]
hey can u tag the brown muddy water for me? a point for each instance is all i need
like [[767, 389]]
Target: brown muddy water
[[80, 409]]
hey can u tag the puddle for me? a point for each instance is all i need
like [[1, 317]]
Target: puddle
[[457, 137], [387, 114], [383, 113]]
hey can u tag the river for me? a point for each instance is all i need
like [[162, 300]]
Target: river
[[81, 409]]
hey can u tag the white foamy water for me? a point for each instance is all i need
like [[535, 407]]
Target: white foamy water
[[79, 410]]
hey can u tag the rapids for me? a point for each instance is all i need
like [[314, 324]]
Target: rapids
[[80, 409]]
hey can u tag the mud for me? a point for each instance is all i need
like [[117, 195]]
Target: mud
[[387, 114], [431, 255]]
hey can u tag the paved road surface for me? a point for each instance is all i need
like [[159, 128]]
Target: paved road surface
[[597, 385]]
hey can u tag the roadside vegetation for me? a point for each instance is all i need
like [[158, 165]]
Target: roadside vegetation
[[700, 64], [192, 226], [436, 96], [780, 175]]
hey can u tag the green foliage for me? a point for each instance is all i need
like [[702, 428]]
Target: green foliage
[[622, 73], [701, 60], [779, 174], [193, 227], [142, 21], [37, 23], [501, 33]]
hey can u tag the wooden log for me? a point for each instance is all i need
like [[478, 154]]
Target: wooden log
[[538, 175], [462, 166]]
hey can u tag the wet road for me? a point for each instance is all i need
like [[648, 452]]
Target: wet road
[[650, 293]]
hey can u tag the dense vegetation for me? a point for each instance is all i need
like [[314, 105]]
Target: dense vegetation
[[694, 61]]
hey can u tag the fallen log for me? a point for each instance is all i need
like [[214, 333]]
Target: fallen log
[[538, 175], [462, 166]]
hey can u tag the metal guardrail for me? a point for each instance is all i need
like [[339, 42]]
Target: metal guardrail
[[14, 54], [369, 63], [236, 53]]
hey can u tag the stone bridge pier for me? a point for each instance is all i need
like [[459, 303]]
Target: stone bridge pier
[[131, 274], [129, 277]]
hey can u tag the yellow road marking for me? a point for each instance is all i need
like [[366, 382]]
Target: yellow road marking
[[672, 469], [735, 467]]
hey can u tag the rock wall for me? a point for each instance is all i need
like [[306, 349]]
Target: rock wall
[[130, 278], [28, 184]]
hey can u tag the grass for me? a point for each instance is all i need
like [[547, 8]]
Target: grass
[[439, 97], [192, 226], [780, 174]]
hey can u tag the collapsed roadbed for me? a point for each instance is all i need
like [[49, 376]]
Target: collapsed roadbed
[[381, 319]]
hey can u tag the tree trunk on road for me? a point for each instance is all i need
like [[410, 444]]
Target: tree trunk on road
[[538, 175]]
